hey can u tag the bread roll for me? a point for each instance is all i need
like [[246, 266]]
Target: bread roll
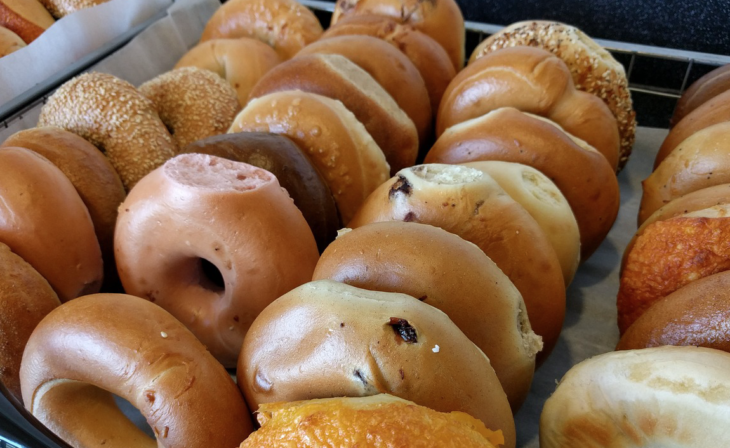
[[534, 81], [449, 273], [327, 339], [9, 42], [26, 18], [469, 203], [44, 221], [545, 203], [714, 111], [696, 314], [663, 397], [337, 144], [336, 77], [241, 62], [704, 89], [580, 172], [379, 421], [699, 162]]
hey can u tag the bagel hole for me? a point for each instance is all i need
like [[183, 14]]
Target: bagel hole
[[211, 277]]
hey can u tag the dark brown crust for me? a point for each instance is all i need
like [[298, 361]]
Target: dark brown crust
[[704, 89]]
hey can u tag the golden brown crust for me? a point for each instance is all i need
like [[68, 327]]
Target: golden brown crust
[[241, 62], [26, 18], [440, 19], [193, 103], [534, 81], [379, 421], [61, 8], [336, 77], [704, 89], [712, 112], [45, 222], [25, 299], [696, 314], [114, 116], [593, 69], [285, 25], [328, 339], [337, 144], [427, 55], [237, 218], [582, 175], [141, 353], [390, 68], [469, 203], [9, 42], [690, 202], [451, 275]]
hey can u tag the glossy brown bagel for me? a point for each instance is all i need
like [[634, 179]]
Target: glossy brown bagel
[[45, 222], [471, 204], [328, 339], [294, 171], [452, 275], [26, 18], [701, 91], [580, 172], [132, 348]]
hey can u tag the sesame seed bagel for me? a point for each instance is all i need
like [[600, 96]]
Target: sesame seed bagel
[[26, 18], [61, 8], [114, 116], [9, 42], [193, 103], [241, 62], [593, 68]]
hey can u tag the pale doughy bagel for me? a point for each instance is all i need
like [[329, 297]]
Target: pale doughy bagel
[[440, 19], [452, 275], [545, 203], [593, 68], [28, 19], [196, 211], [471, 204], [114, 116], [580, 172], [380, 421], [656, 397], [533, 81], [286, 25], [25, 299], [193, 103], [9, 42], [701, 91], [44, 221], [328, 339], [122, 344], [337, 144], [336, 77], [690, 202], [241, 62], [61, 8]]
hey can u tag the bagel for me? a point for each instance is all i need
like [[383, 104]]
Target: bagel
[[390, 68], [294, 171], [579, 171], [62, 8], [440, 19], [337, 144], [666, 396], [670, 254], [121, 344], [335, 77], [241, 62], [328, 339], [44, 221], [534, 81], [114, 116], [471, 204], [213, 242], [9, 42], [427, 55], [699, 162], [95, 180], [545, 203], [695, 314], [712, 112], [704, 89], [285, 25], [26, 18], [593, 69], [451, 275], [25, 299], [379, 421]]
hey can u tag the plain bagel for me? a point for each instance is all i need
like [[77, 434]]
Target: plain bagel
[[9, 42], [701, 91], [26, 18]]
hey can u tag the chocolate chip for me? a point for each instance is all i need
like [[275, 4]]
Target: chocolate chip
[[402, 328], [342, 324], [423, 298], [410, 217], [400, 186]]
